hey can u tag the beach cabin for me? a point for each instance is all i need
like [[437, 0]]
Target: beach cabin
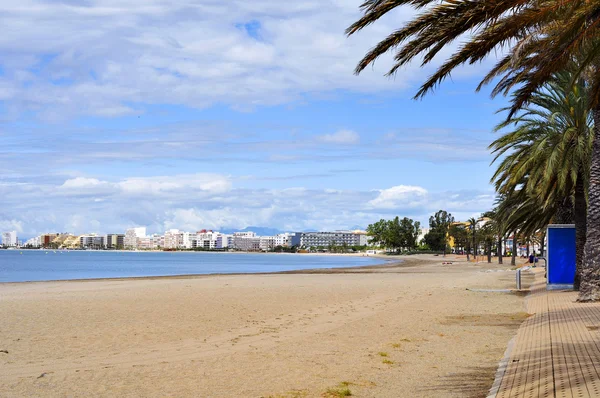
[[561, 256]]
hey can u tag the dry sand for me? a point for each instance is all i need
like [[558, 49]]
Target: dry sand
[[409, 330]]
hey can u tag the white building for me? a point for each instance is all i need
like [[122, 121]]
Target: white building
[[248, 234], [33, 242], [424, 231], [158, 241], [224, 241], [246, 243], [144, 243], [325, 239], [283, 239], [173, 239], [266, 243], [9, 238], [132, 235], [187, 240]]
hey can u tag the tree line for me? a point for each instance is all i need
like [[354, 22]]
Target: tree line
[[401, 235], [548, 156]]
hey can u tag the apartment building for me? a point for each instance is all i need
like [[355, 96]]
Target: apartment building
[[92, 241], [246, 242], [325, 239], [283, 239], [132, 235], [224, 241], [33, 242], [115, 241], [173, 239], [9, 238]]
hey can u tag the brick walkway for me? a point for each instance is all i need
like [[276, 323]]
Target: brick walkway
[[556, 352]]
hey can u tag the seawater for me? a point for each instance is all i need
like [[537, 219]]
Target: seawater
[[44, 265]]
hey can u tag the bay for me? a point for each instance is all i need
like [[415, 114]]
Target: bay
[[44, 265]]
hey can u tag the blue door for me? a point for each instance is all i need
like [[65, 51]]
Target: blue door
[[561, 255]]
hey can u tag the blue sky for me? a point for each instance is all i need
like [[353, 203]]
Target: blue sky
[[214, 114]]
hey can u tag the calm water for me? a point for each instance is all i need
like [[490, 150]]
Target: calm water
[[40, 265]]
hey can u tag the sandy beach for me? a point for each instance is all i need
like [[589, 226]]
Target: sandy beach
[[405, 330]]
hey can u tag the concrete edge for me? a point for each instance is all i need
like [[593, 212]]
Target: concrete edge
[[502, 366]]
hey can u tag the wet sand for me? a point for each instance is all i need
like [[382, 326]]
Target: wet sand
[[399, 330]]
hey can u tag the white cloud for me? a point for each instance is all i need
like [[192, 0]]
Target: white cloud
[[340, 137], [100, 57], [82, 183], [194, 202], [400, 196], [204, 182], [151, 186]]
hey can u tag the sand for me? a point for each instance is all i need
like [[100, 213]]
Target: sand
[[409, 330]]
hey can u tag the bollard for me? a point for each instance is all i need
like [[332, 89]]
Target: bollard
[[518, 279]]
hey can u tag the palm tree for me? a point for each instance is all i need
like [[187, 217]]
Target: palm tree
[[487, 234], [548, 153], [540, 38], [473, 231], [494, 231]]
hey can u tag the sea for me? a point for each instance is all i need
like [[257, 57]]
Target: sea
[[46, 265]]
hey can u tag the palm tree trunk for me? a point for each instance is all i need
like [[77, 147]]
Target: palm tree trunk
[[513, 260], [468, 250], [580, 213], [500, 250], [543, 244], [489, 251], [589, 288]]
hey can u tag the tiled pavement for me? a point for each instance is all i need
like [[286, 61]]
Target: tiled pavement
[[556, 352]]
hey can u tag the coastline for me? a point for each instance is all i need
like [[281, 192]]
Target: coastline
[[389, 262], [410, 326]]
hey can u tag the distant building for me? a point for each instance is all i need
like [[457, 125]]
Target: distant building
[[325, 239], [246, 241], [248, 234], [224, 241], [173, 239], [144, 243], [115, 241], [207, 239], [158, 241], [92, 242], [425, 231], [132, 235], [47, 239], [283, 239], [266, 243], [9, 238], [33, 242]]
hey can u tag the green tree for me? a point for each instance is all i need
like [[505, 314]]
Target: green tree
[[551, 146], [459, 233], [395, 234], [488, 235], [378, 232], [409, 233], [437, 237], [538, 38]]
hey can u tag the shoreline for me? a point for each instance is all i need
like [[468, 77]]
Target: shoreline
[[359, 269]]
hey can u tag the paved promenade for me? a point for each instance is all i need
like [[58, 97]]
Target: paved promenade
[[556, 352]]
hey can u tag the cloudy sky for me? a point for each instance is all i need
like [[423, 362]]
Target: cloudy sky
[[225, 114]]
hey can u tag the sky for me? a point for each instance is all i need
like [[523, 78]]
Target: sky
[[227, 114]]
